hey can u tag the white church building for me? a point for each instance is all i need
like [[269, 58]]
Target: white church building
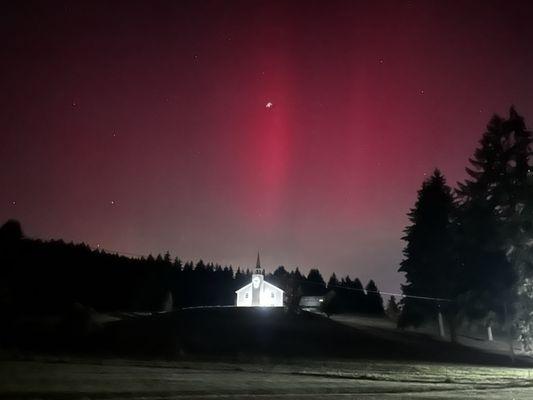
[[259, 293]]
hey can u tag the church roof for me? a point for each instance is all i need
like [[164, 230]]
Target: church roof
[[244, 287], [272, 286], [267, 284], [258, 270]]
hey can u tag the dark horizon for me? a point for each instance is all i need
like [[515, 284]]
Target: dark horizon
[[216, 129]]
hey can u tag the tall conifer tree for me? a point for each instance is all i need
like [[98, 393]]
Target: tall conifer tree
[[374, 301], [429, 264], [494, 224]]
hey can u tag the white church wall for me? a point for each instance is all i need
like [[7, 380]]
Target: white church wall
[[244, 296], [270, 296], [259, 293]]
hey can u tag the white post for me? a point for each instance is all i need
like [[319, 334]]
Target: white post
[[489, 333], [441, 325]]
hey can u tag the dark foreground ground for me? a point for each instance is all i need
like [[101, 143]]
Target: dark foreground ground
[[297, 379], [239, 333], [245, 353]]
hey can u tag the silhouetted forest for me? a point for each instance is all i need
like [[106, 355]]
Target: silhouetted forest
[[472, 246], [50, 276]]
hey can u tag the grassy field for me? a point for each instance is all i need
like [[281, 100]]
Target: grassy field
[[252, 353], [293, 379], [242, 332]]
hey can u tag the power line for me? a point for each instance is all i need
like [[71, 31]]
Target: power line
[[379, 292]]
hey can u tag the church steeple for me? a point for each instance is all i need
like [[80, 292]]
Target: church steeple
[[258, 266]]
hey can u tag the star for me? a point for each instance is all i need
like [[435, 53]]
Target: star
[[269, 105], [381, 60], [74, 103], [422, 91], [13, 203], [112, 202]]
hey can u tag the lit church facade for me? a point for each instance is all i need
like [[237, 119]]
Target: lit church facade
[[259, 293]]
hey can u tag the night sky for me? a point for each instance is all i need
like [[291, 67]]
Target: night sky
[[216, 129]]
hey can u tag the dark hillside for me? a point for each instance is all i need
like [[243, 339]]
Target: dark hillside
[[256, 332]]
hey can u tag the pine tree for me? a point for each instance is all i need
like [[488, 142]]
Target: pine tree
[[314, 285], [494, 223], [315, 276], [346, 294], [358, 298], [333, 303], [374, 302], [11, 231], [487, 275], [429, 264], [333, 282], [294, 290], [392, 311], [516, 214]]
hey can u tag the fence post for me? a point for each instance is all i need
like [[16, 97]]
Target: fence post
[[441, 325], [489, 332]]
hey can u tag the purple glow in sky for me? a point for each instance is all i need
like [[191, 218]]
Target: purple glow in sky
[[215, 129]]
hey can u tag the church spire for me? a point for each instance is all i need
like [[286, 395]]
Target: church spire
[[258, 265]]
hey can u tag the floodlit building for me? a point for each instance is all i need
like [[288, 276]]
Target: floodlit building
[[259, 293]]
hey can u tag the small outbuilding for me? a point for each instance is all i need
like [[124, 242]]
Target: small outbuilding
[[311, 303]]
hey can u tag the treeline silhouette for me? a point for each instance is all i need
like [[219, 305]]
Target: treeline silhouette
[[39, 277], [473, 245]]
